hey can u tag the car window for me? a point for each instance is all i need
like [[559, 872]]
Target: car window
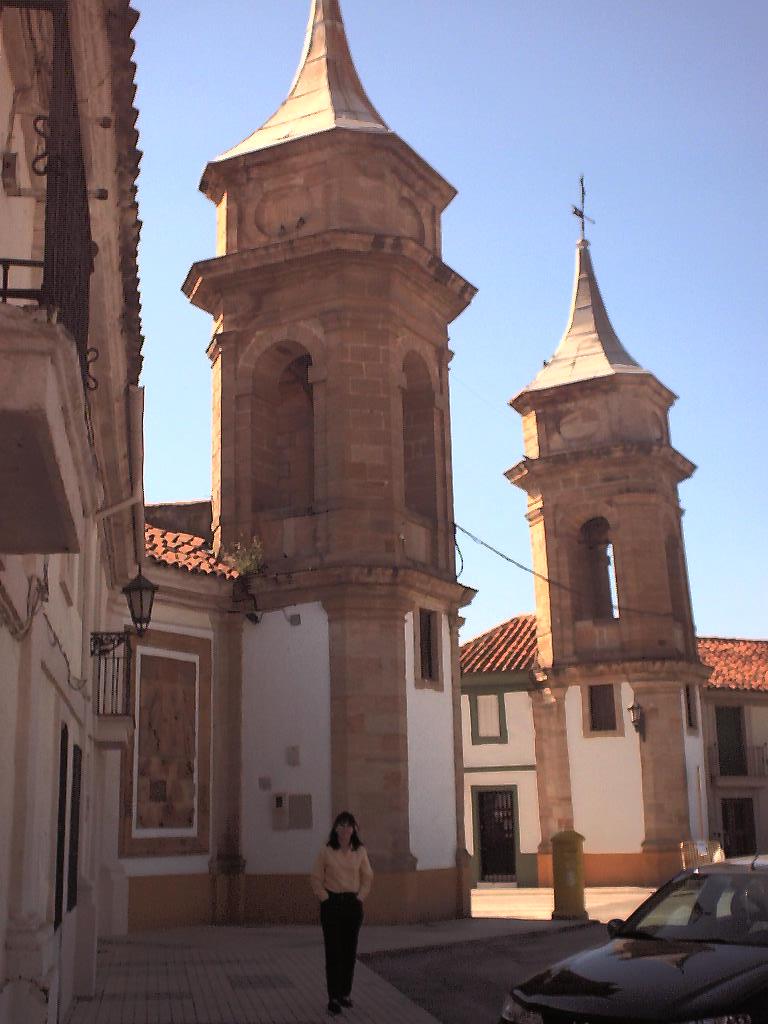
[[719, 907]]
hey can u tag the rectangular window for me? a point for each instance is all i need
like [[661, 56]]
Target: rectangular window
[[427, 631], [488, 718], [690, 707], [602, 708], [74, 827], [732, 752], [428, 643]]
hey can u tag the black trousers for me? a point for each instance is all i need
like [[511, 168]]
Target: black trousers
[[341, 916]]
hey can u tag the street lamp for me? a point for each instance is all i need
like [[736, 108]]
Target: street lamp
[[637, 717], [140, 594]]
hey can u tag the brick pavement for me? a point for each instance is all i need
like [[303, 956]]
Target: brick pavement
[[275, 975], [229, 976]]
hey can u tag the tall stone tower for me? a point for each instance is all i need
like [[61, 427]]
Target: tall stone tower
[[331, 445], [615, 629]]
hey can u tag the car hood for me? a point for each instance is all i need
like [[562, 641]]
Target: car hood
[[650, 979]]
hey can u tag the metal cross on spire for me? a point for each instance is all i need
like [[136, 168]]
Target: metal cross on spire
[[578, 211]]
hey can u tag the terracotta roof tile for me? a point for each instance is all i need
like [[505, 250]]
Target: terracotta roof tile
[[184, 551], [511, 647], [736, 664]]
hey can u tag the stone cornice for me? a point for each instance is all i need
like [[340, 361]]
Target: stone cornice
[[337, 145], [528, 473], [208, 280], [561, 394], [657, 671], [409, 585]]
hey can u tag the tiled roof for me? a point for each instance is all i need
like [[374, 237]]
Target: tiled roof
[[736, 664], [511, 647], [184, 551]]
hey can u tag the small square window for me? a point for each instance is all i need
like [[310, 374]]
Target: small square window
[[602, 708]]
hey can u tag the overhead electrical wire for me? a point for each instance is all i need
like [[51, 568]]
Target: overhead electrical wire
[[619, 609]]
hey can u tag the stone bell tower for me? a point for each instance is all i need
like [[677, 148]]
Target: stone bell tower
[[331, 433], [613, 608]]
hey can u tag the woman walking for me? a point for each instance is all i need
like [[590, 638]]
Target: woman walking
[[341, 879]]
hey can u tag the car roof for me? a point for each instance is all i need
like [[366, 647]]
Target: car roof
[[735, 865]]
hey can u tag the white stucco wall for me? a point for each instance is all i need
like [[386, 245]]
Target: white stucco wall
[[606, 781], [431, 768], [286, 703], [695, 771]]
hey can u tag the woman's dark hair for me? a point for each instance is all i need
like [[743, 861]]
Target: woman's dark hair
[[345, 818]]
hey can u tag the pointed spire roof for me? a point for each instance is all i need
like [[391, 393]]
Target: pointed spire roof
[[326, 92], [589, 348]]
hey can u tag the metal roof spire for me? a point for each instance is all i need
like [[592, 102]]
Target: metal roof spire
[[590, 347], [326, 91]]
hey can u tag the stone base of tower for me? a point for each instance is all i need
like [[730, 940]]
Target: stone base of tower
[[398, 897], [646, 869]]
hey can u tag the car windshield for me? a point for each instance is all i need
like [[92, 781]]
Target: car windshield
[[717, 907]]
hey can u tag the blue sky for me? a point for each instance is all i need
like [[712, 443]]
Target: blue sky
[[661, 104]]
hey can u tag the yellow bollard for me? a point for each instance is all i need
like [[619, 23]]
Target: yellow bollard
[[568, 876]]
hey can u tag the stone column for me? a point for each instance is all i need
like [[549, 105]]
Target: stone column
[[369, 729], [463, 860], [553, 773], [665, 784]]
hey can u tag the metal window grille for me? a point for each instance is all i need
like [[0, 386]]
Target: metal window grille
[[112, 652]]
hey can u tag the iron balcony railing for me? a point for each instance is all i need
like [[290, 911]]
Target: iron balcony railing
[[68, 249], [112, 654], [6, 291], [746, 761]]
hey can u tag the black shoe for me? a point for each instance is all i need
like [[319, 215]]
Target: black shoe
[[346, 1002], [334, 1008]]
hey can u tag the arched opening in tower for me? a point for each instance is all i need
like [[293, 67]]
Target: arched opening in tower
[[596, 581], [282, 425], [419, 463], [295, 437]]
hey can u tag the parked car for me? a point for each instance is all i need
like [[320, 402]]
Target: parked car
[[696, 952]]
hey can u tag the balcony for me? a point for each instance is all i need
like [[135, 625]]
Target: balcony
[[744, 762], [112, 689]]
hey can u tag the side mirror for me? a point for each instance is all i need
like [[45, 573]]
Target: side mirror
[[614, 926]]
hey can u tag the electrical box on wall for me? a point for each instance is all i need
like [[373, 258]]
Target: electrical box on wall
[[280, 813]]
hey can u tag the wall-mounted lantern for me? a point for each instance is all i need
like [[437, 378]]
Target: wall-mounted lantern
[[140, 594], [637, 717]]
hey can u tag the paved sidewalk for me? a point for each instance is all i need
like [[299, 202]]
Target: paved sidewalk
[[270, 975], [602, 903]]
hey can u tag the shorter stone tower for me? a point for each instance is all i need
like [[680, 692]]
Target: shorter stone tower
[[614, 621]]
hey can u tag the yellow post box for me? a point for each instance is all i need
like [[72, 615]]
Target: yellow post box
[[568, 875]]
